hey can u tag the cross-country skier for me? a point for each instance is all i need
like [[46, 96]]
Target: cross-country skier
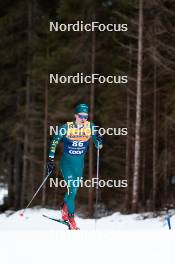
[[75, 137]]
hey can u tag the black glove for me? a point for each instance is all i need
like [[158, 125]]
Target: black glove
[[50, 166]]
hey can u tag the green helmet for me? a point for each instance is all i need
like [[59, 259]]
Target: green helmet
[[82, 108]]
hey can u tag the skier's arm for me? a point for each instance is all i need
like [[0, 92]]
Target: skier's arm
[[56, 139], [97, 138]]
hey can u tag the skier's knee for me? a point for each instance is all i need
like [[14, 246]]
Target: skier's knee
[[73, 193]]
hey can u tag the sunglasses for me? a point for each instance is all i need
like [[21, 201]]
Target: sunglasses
[[83, 116]]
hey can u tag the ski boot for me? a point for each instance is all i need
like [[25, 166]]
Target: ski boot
[[64, 213], [72, 223]]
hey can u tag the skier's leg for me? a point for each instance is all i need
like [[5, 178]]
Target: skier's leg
[[72, 173], [72, 185], [69, 199]]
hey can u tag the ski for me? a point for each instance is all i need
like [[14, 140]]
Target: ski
[[57, 220]]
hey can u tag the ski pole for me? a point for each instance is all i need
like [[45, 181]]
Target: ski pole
[[168, 219], [169, 222], [47, 176], [96, 196]]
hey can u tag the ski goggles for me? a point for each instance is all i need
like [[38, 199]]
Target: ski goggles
[[83, 116]]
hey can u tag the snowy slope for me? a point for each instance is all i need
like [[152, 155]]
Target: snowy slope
[[33, 220], [116, 238]]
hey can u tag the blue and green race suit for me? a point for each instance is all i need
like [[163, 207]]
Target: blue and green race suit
[[76, 140]]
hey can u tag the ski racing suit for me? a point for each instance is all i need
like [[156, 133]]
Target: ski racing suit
[[76, 140]]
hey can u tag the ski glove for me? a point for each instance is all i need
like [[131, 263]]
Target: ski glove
[[50, 166], [100, 141], [99, 146]]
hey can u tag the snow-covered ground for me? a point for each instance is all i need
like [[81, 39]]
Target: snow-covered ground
[[33, 220], [116, 239]]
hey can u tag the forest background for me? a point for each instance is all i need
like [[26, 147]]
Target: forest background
[[29, 104]]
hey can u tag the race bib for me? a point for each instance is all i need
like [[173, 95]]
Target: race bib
[[77, 139]]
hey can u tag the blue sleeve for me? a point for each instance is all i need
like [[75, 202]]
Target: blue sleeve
[[97, 139], [56, 139]]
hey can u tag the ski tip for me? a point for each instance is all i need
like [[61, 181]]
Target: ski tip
[[44, 215]]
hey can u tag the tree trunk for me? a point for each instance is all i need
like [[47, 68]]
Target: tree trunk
[[17, 173], [10, 181], [45, 139], [27, 108], [165, 155], [155, 130], [138, 112], [128, 141]]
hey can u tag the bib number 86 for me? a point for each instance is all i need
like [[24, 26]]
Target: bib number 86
[[77, 143]]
